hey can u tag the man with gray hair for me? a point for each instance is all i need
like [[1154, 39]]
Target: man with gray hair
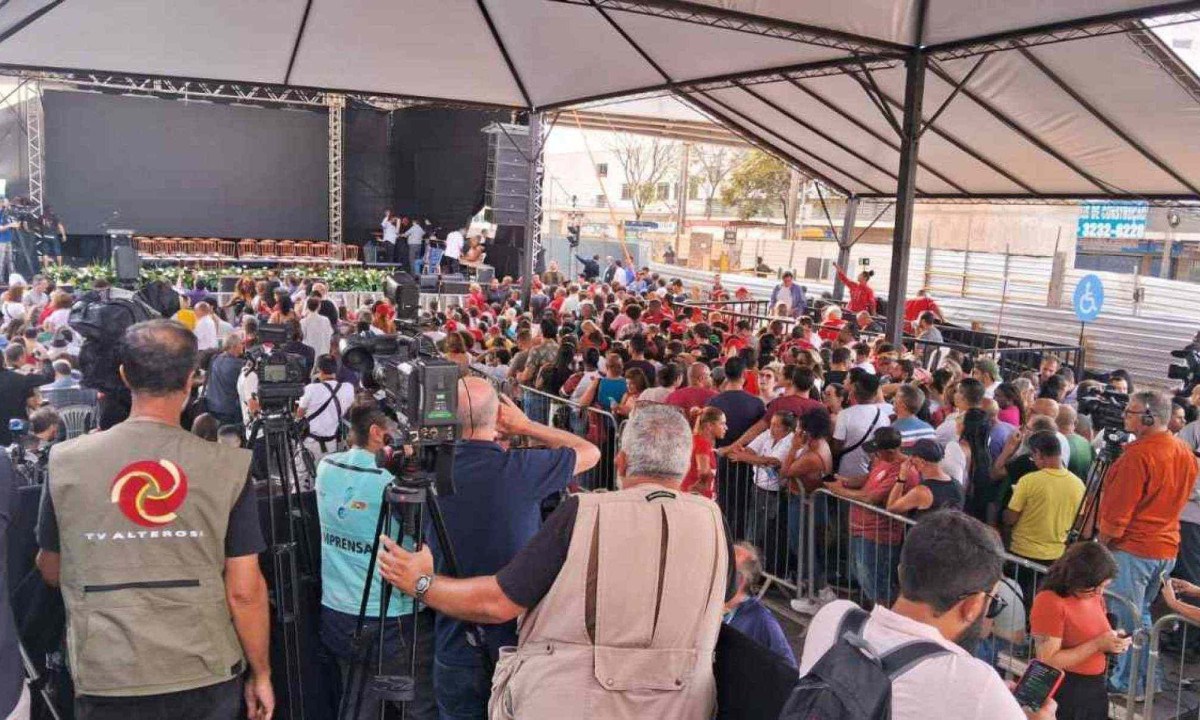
[[495, 510], [1145, 492], [622, 593]]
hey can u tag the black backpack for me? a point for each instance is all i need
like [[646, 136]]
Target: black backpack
[[850, 682]]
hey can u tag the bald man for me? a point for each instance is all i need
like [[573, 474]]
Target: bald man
[[698, 391], [495, 510]]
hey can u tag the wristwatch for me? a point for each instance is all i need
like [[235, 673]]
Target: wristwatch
[[423, 584]]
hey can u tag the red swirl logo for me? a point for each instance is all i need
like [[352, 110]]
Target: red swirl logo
[[149, 492]]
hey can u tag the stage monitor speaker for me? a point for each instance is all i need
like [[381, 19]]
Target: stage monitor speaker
[[455, 285], [484, 274], [430, 282], [126, 263], [508, 173]]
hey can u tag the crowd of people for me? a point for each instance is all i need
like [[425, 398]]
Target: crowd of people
[[719, 429]]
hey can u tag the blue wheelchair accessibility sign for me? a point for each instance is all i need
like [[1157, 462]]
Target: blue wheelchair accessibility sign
[[1089, 298]]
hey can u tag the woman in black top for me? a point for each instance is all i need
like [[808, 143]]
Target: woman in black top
[[937, 490]]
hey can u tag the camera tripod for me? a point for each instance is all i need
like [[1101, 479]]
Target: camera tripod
[[293, 557], [1089, 508], [404, 502]]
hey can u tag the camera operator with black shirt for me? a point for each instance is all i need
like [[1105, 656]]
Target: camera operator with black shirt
[[15, 390]]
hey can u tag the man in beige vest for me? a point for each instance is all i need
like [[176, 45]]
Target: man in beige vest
[[621, 593], [153, 536]]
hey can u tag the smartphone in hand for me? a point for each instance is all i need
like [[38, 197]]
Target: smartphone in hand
[[1037, 685]]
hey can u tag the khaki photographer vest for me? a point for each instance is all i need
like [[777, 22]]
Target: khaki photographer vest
[[629, 627], [142, 510]]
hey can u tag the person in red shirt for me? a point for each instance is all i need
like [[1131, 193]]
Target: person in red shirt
[[698, 392], [862, 297], [922, 303], [701, 476], [1070, 623], [1145, 492], [832, 324], [655, 313]]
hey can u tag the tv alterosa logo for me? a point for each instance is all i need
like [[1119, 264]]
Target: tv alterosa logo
[[149, 491]]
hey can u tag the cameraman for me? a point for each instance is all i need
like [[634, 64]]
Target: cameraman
[[1145, 491], [349, 493], [495, 511], [324, 404]]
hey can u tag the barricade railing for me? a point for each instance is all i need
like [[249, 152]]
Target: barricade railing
[[599, 426], [1178, 699], [767, 517], [852, 551]]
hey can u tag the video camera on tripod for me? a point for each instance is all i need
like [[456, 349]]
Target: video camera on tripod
[[281, 375], [1189, 370], [1105, 406]]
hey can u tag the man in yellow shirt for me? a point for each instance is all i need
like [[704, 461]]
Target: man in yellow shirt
[[1044, 503]]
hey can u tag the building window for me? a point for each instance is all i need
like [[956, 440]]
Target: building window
[[693, 188], [626, 192], [662, 191], [601, 200], [602, 169]]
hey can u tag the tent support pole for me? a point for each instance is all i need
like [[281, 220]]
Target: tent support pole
[[843, 258], [533, 220], [914, 91]]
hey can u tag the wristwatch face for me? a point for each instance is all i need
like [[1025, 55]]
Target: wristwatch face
[[423, 584]]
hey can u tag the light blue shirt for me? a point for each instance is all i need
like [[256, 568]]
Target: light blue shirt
[[349, 494]]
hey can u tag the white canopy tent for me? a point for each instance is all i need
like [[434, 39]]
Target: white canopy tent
[[938, 99]]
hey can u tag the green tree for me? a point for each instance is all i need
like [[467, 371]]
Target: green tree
[[757, 186]]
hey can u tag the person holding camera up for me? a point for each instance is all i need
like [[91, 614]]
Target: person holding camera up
[[349, 493], [622, 592], [495, 511], [324, 404], [153, 536]]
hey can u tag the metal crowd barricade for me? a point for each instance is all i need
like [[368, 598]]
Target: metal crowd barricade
[[599, 426], [851, 550], [770, 519], [1180, 697]]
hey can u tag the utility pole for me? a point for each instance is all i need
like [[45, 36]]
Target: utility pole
[[685, 160]]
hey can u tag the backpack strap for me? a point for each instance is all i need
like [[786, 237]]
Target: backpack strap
[[905, 657], [852, 622]]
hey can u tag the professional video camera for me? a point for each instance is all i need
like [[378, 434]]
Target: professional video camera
[[29, 461], [1105, 406], [1189, 370], [281, 375]]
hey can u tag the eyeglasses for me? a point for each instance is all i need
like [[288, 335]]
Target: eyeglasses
[[996, 604]]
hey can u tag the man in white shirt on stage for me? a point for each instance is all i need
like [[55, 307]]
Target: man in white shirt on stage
[[391, 232], [454, 248]]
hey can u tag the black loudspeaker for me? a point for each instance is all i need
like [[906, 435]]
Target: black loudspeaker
[[484, 274], [455, 284], [430, 282], [506, 260], [508, 173], [508, 236], [127, 264]]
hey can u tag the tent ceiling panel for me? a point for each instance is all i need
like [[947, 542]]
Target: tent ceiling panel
[[1130, 89], [1009, 81], [780, 125], [218, 39], [786, 148], [937, 152], [974, 125], [368, 45], [889, 20], [954, 20], [558, 50], [688, 51]]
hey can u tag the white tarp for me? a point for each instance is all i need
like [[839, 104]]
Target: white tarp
[[798, 99]]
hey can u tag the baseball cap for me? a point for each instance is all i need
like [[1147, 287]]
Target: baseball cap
[[885, 438], [926, 449], [678, 328]]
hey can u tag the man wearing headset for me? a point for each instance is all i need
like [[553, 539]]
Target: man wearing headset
[[494, 512], [1144, 494]]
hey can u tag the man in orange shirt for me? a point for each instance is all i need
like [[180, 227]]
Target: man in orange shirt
[[1143, 496]]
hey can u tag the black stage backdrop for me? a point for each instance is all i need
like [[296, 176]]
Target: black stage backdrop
[[440, 162], [185, 168]]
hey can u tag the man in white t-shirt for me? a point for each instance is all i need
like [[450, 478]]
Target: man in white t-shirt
[[856, 424], [208, 327], [315, 327], [950, 569], [391, 232], [454, 248], [324, 404]]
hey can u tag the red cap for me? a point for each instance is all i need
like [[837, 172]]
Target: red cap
[[451, 326], [678, 328]]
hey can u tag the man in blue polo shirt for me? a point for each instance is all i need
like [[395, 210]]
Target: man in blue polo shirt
[[494, 512], [349, 494]]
